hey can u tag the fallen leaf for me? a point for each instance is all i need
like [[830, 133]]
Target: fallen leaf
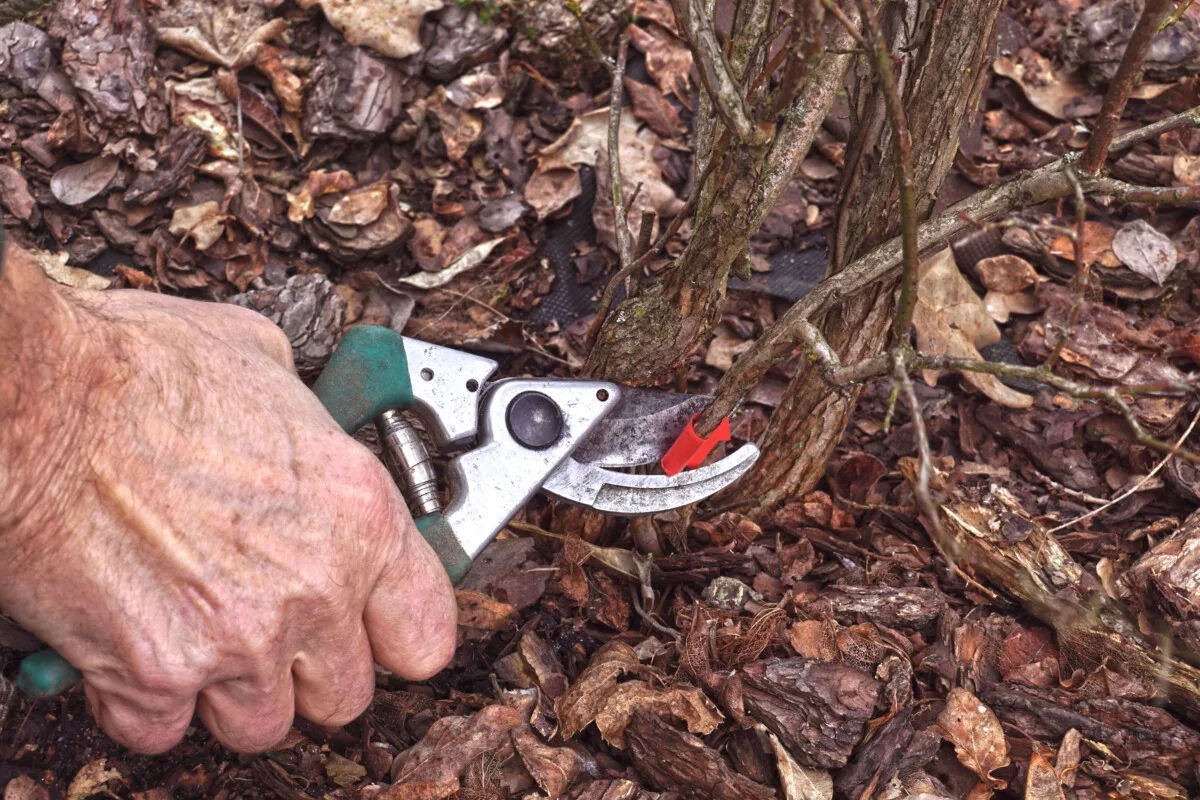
[[584, 698], [1097, 245], [477, 610], [816, 168], [688, 704], [1002, 306], [342, 771], [24, 787], [360, 207], [203, 222], [1006, 273], [653, 108], [1042, 782], [228, 33], [76, 184], [1146, 250], [91, 779], [553, 768], [950, 319], [800, 783], [14, 193], [318, 183], [668, 59], [390, 27], [725, 347], [431, 769], [1186, 168], [1047, 89], [976, 734], [466, 262], [55, 266]]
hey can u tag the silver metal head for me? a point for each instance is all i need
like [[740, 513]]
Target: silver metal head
[[490, 483]]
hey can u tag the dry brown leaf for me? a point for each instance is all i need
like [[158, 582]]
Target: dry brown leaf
[[91, 780], [951, 320], [1186, 168], [816, 639], [1002, 306], [431, 769], [668, 60], [1146, 250], [318, 183], [688, 704], [1067, 760], [725, 347], [464, 263], [14, 193], [24, 787], [1097, 245], [390, 27], [1042, 782], [76, 184], [1006, 273], [362, 206], [228, 33], [477, 610], [56, 267], [203, 222], [553, 768], [976, 734], [1047, 89], [584, 698], [651, 106], [800, 783], [342, 771]]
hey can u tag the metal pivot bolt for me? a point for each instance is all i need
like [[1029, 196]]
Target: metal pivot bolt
[[534, 420], [412, 465]]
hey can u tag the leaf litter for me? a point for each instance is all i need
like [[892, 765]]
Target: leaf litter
[[400, 163]]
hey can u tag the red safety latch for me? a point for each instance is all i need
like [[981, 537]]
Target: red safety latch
[[690, 450]]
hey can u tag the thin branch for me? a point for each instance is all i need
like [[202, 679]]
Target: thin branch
[[620, 220], [1152, 195], [717, 75], [902, 143], [1083, 268], [1138, 485], [1031, 188], [1122, 84], [1184, 119], [575, 9]]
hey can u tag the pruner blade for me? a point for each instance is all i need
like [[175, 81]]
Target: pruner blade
[[624, 494]]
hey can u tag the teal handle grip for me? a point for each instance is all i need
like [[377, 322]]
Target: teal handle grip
[[367, 375]]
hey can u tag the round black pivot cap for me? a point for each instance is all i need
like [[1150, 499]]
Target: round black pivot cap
[[534, 420]]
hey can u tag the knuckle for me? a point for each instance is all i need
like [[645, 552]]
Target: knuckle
[[259, 735]]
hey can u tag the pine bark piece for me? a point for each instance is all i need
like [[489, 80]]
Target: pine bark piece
[[1148, 738], [1035, 569], [308, 311], [885, 605], [674, 760], [1167, 579], [817, 709]]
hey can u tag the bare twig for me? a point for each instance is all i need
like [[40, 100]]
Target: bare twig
[[902, 142], [1122, 84], [1184, 119], [1029, 189], [1133, 489], [575, 9], [1153, 195], [1083, 268], [620, 219], [717, 75]]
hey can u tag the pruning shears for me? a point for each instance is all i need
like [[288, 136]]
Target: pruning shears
[[567, 437]]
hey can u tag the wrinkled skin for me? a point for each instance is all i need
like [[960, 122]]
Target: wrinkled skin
[[184, 522]]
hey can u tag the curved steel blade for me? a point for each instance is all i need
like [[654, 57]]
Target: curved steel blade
[[640, 429], [630, 495]]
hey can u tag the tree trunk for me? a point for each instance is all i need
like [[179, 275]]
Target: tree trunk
[[648, 336], [944, 72]]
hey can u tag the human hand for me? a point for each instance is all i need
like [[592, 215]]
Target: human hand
[[182, 520]]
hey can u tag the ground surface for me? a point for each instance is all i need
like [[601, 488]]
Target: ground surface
[[829, 650]]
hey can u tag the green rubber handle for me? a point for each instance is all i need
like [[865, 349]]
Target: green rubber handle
[[367, 375]]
